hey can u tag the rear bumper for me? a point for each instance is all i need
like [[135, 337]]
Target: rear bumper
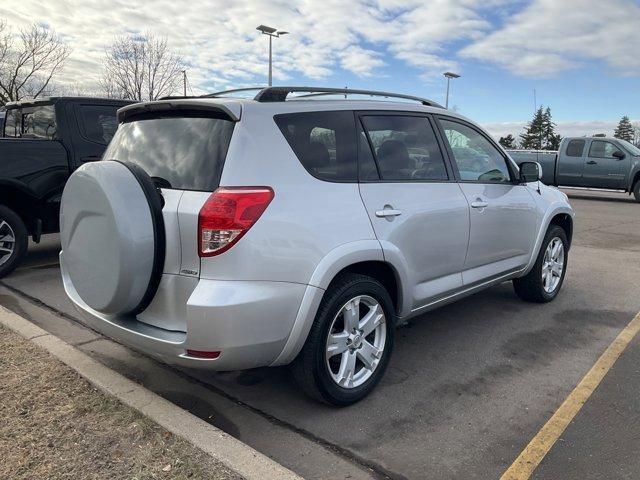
[[248, 322]]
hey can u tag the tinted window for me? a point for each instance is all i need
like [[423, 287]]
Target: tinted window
[[477, 159], [98, 122], [601, 149], [405, 148], [366, 163], [575, 148], [13, 123], [39, 122], [185, 152], [324, 142]]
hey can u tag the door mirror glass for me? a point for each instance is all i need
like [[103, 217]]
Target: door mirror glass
[[618, 154], [530, 172]]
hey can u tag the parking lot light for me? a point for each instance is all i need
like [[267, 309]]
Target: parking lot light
[[271, 32], [449, 76]]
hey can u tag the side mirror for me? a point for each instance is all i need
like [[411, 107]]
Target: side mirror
[[619, 155], [530, 172]]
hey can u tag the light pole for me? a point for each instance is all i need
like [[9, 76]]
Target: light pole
[[449, 76], [272, 32]]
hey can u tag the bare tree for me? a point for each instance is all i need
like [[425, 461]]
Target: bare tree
[[29, 61], [636, 134], [141, 68]]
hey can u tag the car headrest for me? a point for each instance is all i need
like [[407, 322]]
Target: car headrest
[[317, 155], [394, 154]]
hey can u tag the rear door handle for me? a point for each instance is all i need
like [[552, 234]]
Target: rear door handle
[[592, 162], [388, 212], [479, 204]]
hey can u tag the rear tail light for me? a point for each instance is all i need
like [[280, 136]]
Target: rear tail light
[[227, 215]]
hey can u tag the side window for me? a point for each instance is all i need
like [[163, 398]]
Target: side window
[[98, 123], [13, 123], [39, 122], [405, 148], [477, 159], [602, 149], [324, 142], [366, 162], [575, 148]]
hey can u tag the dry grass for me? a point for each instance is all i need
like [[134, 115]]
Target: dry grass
[[54, 424]]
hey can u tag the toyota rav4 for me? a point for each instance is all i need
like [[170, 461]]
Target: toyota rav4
[[292, 228]]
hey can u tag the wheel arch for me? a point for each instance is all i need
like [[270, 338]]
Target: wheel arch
[[634, 180], [18, 198], [561, 215], [364, 257], [564, 221]]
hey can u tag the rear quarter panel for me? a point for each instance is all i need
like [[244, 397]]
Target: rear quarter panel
[[307, 219]]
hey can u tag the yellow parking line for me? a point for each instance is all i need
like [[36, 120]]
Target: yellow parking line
[[532, 455]]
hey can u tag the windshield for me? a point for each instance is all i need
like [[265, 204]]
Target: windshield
[[632, 149], [180, 151]]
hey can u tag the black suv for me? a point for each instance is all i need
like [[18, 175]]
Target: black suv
[[43, 142]]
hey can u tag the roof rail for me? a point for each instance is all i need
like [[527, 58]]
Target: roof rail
[[279, 94], [235, 90]]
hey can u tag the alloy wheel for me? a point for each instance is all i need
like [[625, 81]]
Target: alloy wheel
[[7, 242], [356, 341], [553, 265]]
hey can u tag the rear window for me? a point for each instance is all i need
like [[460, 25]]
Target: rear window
[[575, 148], [37, 122], [12, 123], [178, 150], [324, 142], [98, 123]]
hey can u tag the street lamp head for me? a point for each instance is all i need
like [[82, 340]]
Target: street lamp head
[[282, 32], [266, 30], [451, 75]]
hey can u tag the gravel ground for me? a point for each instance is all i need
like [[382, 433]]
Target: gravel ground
[[56, 425]]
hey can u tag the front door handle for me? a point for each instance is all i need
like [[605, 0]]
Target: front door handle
[[388, 212], [592, 162], [479, 203]]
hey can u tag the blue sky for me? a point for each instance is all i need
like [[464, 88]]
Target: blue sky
[[581, 56]]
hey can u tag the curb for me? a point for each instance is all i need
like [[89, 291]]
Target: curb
[[235, 455]]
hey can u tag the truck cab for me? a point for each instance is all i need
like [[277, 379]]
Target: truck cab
[[42, 142], [602, 162], [589, 162]]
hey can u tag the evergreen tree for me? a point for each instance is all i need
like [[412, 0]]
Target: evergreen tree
[[540, 132], [550, 139], [624, 130], [531, 139], [508, 142]]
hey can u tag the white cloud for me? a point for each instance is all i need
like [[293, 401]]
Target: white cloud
[[362, 37], [550, 36], [219, 40]]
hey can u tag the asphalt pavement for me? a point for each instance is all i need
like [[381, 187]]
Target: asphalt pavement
[[468, 387]]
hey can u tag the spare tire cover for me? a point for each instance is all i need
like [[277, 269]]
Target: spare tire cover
[[109, 234]]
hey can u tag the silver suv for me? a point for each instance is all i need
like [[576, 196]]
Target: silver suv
[[225, 233]]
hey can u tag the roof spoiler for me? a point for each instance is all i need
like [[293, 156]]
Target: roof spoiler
[[232, 111]]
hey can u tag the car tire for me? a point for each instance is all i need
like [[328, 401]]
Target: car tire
[[324, 376], [636, 191], [13, 241], [542, 284]]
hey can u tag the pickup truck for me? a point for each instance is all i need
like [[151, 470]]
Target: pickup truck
[[597, 162], [41, 143]]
